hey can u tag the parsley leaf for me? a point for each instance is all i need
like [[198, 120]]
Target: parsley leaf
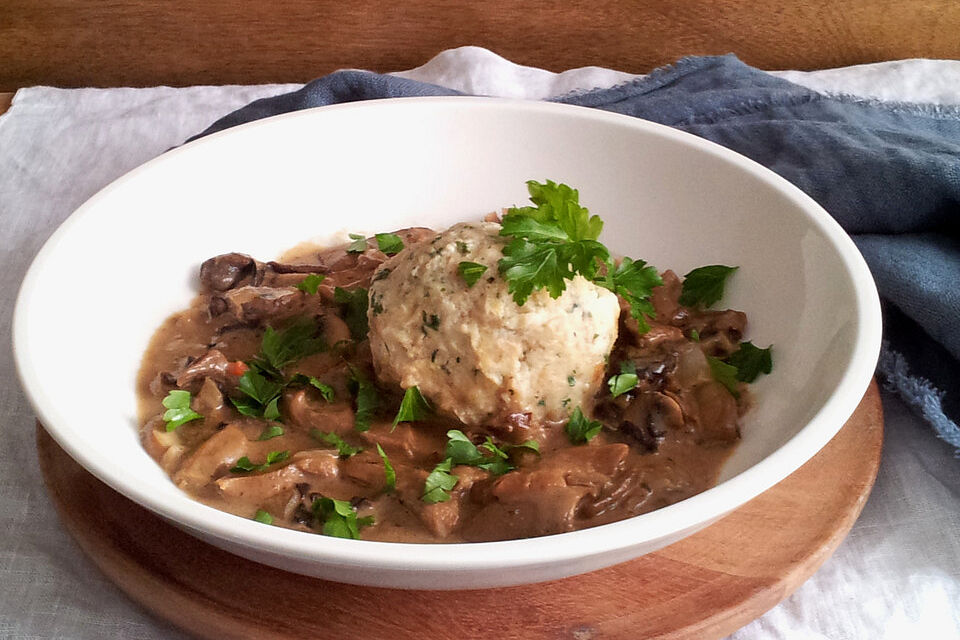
[[413, 407], [299, 339], [244, 465], [354, 305], [581, 430], [311, 283], [532, 445], [725, 374], [359, 244], [262, 395], [439, 483], [704, 285], [624, 381], [634, 280], [460, 450], [344, 448], [471, 272], [751, 361], [178, 410], [339, 518], [325, 390], [367, 399], [388, 472], [263, 516], [271, 432], [389, 243], [276, 456]]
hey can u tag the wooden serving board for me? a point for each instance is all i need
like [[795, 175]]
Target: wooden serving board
[[705, 586]]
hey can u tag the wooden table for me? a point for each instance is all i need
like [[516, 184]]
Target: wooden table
[[183, 42]]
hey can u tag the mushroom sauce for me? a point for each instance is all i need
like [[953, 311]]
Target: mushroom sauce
[[261, 399]]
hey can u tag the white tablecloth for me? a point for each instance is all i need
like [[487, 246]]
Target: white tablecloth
[[896, 576]]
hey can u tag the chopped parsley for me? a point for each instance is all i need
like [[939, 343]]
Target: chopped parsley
[[263, 516], [633, 280], [311, 283], [344, 448], [359, 244], [413, 407], [695, 335], [704, 285], [751, 361], [273, 431], [354, 304], [325, 390], [556, 240], [339, 518], [261, 395], [389, 243], [463, 249], [624, 381], [460, 450], [571, 380], [725, 374], [580, 430], [178, 411], [244, 465], [367, 400], [471, 272], [439, 483], [279, 348], [390, 475], [430, 322]]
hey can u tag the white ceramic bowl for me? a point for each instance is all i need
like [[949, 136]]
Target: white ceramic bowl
[[128, 258]]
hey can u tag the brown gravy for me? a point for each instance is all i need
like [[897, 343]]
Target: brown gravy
[[661, 443]]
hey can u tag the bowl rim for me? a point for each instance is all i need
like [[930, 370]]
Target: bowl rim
[[686, 515]]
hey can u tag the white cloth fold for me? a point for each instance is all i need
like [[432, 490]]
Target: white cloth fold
[[896, 576]]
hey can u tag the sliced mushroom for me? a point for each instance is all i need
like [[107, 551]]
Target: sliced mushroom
[[212, 364], [224, 272]]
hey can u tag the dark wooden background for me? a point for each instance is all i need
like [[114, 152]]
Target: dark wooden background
[[181, 42]]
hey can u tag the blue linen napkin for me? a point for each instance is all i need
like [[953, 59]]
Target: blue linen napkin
[[888, 172]]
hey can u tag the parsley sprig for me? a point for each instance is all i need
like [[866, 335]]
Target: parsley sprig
[[366, 396], [389, 474], [461, 451], [339, 518], [624, 381], [750, 361], [555, 240], [744, 365], [439, 483], [178, 411], [354, 303], [580, 429], [704, 285], [413, 407], [282, 347], [344, 448], [487, 456], [244, 465]]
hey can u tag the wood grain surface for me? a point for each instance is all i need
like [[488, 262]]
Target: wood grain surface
[[182, 42], [703, 587]]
